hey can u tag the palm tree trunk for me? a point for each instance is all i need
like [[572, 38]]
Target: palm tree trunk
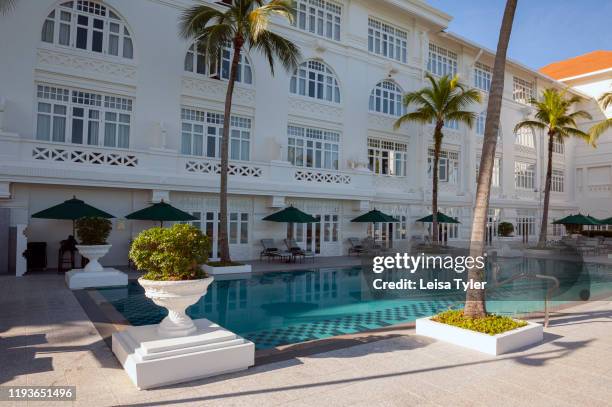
[[544, 227], [223, 236], [475, 305], [434, 186]]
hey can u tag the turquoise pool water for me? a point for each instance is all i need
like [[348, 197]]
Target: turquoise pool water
[[289, 307]]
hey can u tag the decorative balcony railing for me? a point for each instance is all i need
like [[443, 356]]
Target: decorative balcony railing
[[80, 155], [322, 177], [214, 167]]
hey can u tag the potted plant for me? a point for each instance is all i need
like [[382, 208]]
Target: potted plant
[[92, 233], [505, 229], [172, 259]]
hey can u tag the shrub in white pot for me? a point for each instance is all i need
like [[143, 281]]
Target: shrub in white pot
[[173, 279], [92, 233]]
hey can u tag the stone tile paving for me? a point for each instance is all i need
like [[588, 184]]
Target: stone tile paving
[[46, 339]]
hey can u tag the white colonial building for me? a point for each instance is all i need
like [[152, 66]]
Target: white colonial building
[[103, 100]]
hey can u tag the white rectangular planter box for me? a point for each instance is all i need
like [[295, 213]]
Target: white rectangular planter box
[[530, 334], [153, 361], [219, 271]]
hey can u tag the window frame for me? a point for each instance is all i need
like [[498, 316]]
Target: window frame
[[442, 61], [219, 69], [483, 75], [524, 175], [522, 90], [385, 98], [557, 181], [320, 79], [449, 166], [302, 142], [387, 40], [396, 157], [322, 18]]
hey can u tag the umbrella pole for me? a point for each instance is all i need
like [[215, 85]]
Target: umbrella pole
[[73, 229]]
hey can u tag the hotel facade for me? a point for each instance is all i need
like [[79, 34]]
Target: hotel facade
[[104, 101]]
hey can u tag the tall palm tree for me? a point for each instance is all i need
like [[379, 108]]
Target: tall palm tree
[[475, 305], [444, 100], [600, 128], [243, 25], [552, 115]]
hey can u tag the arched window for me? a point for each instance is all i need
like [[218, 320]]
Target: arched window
[[386, 98], [89, 26], [314, 79], [196, 61]]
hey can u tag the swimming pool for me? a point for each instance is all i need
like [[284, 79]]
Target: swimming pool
[[280, 308]]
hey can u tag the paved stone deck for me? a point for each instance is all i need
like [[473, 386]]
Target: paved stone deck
[[46, 339]]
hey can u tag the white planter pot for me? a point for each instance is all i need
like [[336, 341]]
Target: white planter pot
[[93, 253], [219, 271], [175, 296], [530, 334]]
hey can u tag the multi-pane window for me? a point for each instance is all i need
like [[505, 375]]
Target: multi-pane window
[[387, 157], [523, 91], [524, 175], [525, 222], [330, 228], [480, 123], [441, 61], [313, 148], [401, 227], [314, 79], [197, 62], [238, 228], [320, 17], [386, 40], [81, 117], [448, 166], [496, 176], [557, 181], [558, 146], [482, 77], [448, 124], [386, 98], [89, 26], [525, 137], [201, 134]]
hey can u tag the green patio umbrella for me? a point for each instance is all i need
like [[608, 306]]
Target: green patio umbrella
[[442, 218], [72, 209], [374, 216], [578, 219], [161, 212], [291, 215], [607, 221]]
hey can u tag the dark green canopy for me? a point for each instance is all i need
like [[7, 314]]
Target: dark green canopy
[[374, 216], [578, 219], [607, 221], [161, 211], [441, 218], [72, 209], [291, 215]]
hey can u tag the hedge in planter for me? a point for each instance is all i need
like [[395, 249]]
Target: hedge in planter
[[171, 254], [93, 231]]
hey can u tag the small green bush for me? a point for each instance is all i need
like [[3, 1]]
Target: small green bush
[[491, 324], [171, 254], [93, 231], [505, 229]]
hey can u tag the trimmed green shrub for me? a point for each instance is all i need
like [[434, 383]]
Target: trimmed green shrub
[[505, 229], [93, 231], [171, 254], [491, 324]]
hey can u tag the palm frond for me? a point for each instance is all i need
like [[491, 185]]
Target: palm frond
[[7, 5], [574, 132], [274, 46], [462, 116], [422, 116], [600, 128], [606, 100], [259, 17], [195, 19], [530, 124]]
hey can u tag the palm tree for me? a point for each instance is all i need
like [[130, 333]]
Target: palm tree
[[244, 24], [475, 305], [552, 114], [443, 101], [7, 5], [600, 128]]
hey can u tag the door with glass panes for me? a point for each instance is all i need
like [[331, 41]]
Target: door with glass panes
[[320, 237], [238, 231]]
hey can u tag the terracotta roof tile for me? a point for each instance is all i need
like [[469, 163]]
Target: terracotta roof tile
[[590, 62]]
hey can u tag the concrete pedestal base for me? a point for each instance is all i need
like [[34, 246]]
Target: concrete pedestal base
[[77, 279], [153, 361]]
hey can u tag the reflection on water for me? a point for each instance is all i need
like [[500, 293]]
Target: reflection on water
[[286, 307]]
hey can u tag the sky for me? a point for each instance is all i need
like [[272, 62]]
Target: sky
[[544, 31]]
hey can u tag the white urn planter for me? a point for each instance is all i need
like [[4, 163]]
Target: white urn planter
[[179, 349], [93, 253], [176, 296], [94, 275]]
